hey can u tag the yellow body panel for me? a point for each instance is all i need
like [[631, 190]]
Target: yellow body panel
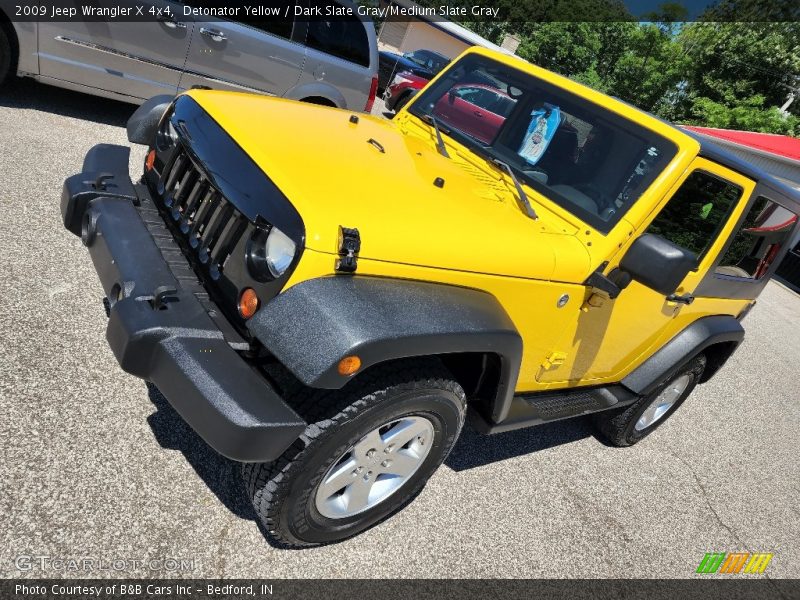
[[603, 344], [378, 176]]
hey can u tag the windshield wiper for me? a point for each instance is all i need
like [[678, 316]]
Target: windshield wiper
[[523, 197], [431, 120]]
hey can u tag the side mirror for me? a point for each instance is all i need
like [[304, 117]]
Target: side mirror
[[451, 96], [657, 263]]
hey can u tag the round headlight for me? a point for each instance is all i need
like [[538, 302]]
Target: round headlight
[[269, 254], [280, 252]]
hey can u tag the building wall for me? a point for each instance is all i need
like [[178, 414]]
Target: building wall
[[392, 34], [419, 34]]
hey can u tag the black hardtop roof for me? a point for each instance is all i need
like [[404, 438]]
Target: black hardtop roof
[[717, 153]]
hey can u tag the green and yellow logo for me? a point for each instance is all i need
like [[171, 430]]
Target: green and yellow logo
[[734, 562]]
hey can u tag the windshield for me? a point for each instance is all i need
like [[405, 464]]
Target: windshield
[[585, 158], [429, 60]]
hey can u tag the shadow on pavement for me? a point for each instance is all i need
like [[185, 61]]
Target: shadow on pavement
[[475, 450], [219, 474], [223, 478], [27, 93]]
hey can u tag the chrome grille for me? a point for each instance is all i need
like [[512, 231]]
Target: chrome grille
[[209, 224]]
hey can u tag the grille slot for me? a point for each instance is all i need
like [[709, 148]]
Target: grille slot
[[207, 221]]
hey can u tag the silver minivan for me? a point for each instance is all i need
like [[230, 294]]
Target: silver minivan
[[332, 62]]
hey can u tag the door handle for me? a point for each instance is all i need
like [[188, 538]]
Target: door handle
[[171, 23], [477, 113], [685, 299], [214, 34]]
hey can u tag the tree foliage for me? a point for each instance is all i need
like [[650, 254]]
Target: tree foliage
[[740, 74], [733, 68]]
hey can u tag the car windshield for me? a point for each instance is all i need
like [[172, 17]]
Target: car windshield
[[582, 156], [429, 60]]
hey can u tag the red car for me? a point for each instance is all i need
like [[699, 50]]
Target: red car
[[402, 89], [477, 109]]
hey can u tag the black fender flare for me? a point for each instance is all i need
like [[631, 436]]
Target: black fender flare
[[143, 123], [311, 326], [691, 341]]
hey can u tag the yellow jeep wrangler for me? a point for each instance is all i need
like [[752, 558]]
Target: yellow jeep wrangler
[[326, 296]]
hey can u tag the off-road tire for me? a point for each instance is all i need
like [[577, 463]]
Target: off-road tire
[[618, 428], [283, 492], [6, 55]]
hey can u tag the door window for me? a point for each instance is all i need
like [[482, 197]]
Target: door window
[[345, 39], [763, 233], [695, 215], [280, 26], [277, 25]]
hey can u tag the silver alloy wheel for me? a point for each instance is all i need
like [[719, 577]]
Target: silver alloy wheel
[[375, 467], [663, 402]]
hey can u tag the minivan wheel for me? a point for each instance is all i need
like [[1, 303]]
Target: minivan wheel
[[386, 434], [5, 55], [635, 422]]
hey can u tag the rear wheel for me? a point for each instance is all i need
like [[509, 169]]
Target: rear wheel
[[372, 448], [319, 101], [635, 422]]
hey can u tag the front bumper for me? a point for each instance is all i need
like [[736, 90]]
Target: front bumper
[[158, 329]]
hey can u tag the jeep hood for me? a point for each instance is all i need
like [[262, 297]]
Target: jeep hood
[[372, 176]]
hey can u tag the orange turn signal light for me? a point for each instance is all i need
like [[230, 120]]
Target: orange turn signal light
[[349, 365], [248, 303], [151, 160]]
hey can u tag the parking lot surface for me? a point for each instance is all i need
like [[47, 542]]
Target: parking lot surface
[[96, 464]]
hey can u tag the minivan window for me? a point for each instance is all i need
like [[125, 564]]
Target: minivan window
[[763, 233], [696, 213], [345, 39], [281, 27]]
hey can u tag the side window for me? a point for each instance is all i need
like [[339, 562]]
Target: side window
[[475, 96], [280, 27], [467, 93], [694, 216], [763, 233], [277, 26], [346, 39]]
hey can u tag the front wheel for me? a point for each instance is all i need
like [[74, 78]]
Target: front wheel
[[389, 432], [632, 424]]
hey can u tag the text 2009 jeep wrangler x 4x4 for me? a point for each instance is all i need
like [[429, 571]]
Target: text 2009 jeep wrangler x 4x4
[[325, 296]]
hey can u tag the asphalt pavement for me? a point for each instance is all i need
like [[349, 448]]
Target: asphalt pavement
[[96, 464]]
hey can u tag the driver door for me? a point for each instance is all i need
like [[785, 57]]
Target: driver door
[[608, 336]]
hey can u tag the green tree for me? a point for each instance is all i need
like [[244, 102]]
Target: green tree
[[738, 64], [651, 68], [640, 63], [748, 114]]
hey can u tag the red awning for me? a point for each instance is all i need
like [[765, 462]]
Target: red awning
[[780, 145]]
